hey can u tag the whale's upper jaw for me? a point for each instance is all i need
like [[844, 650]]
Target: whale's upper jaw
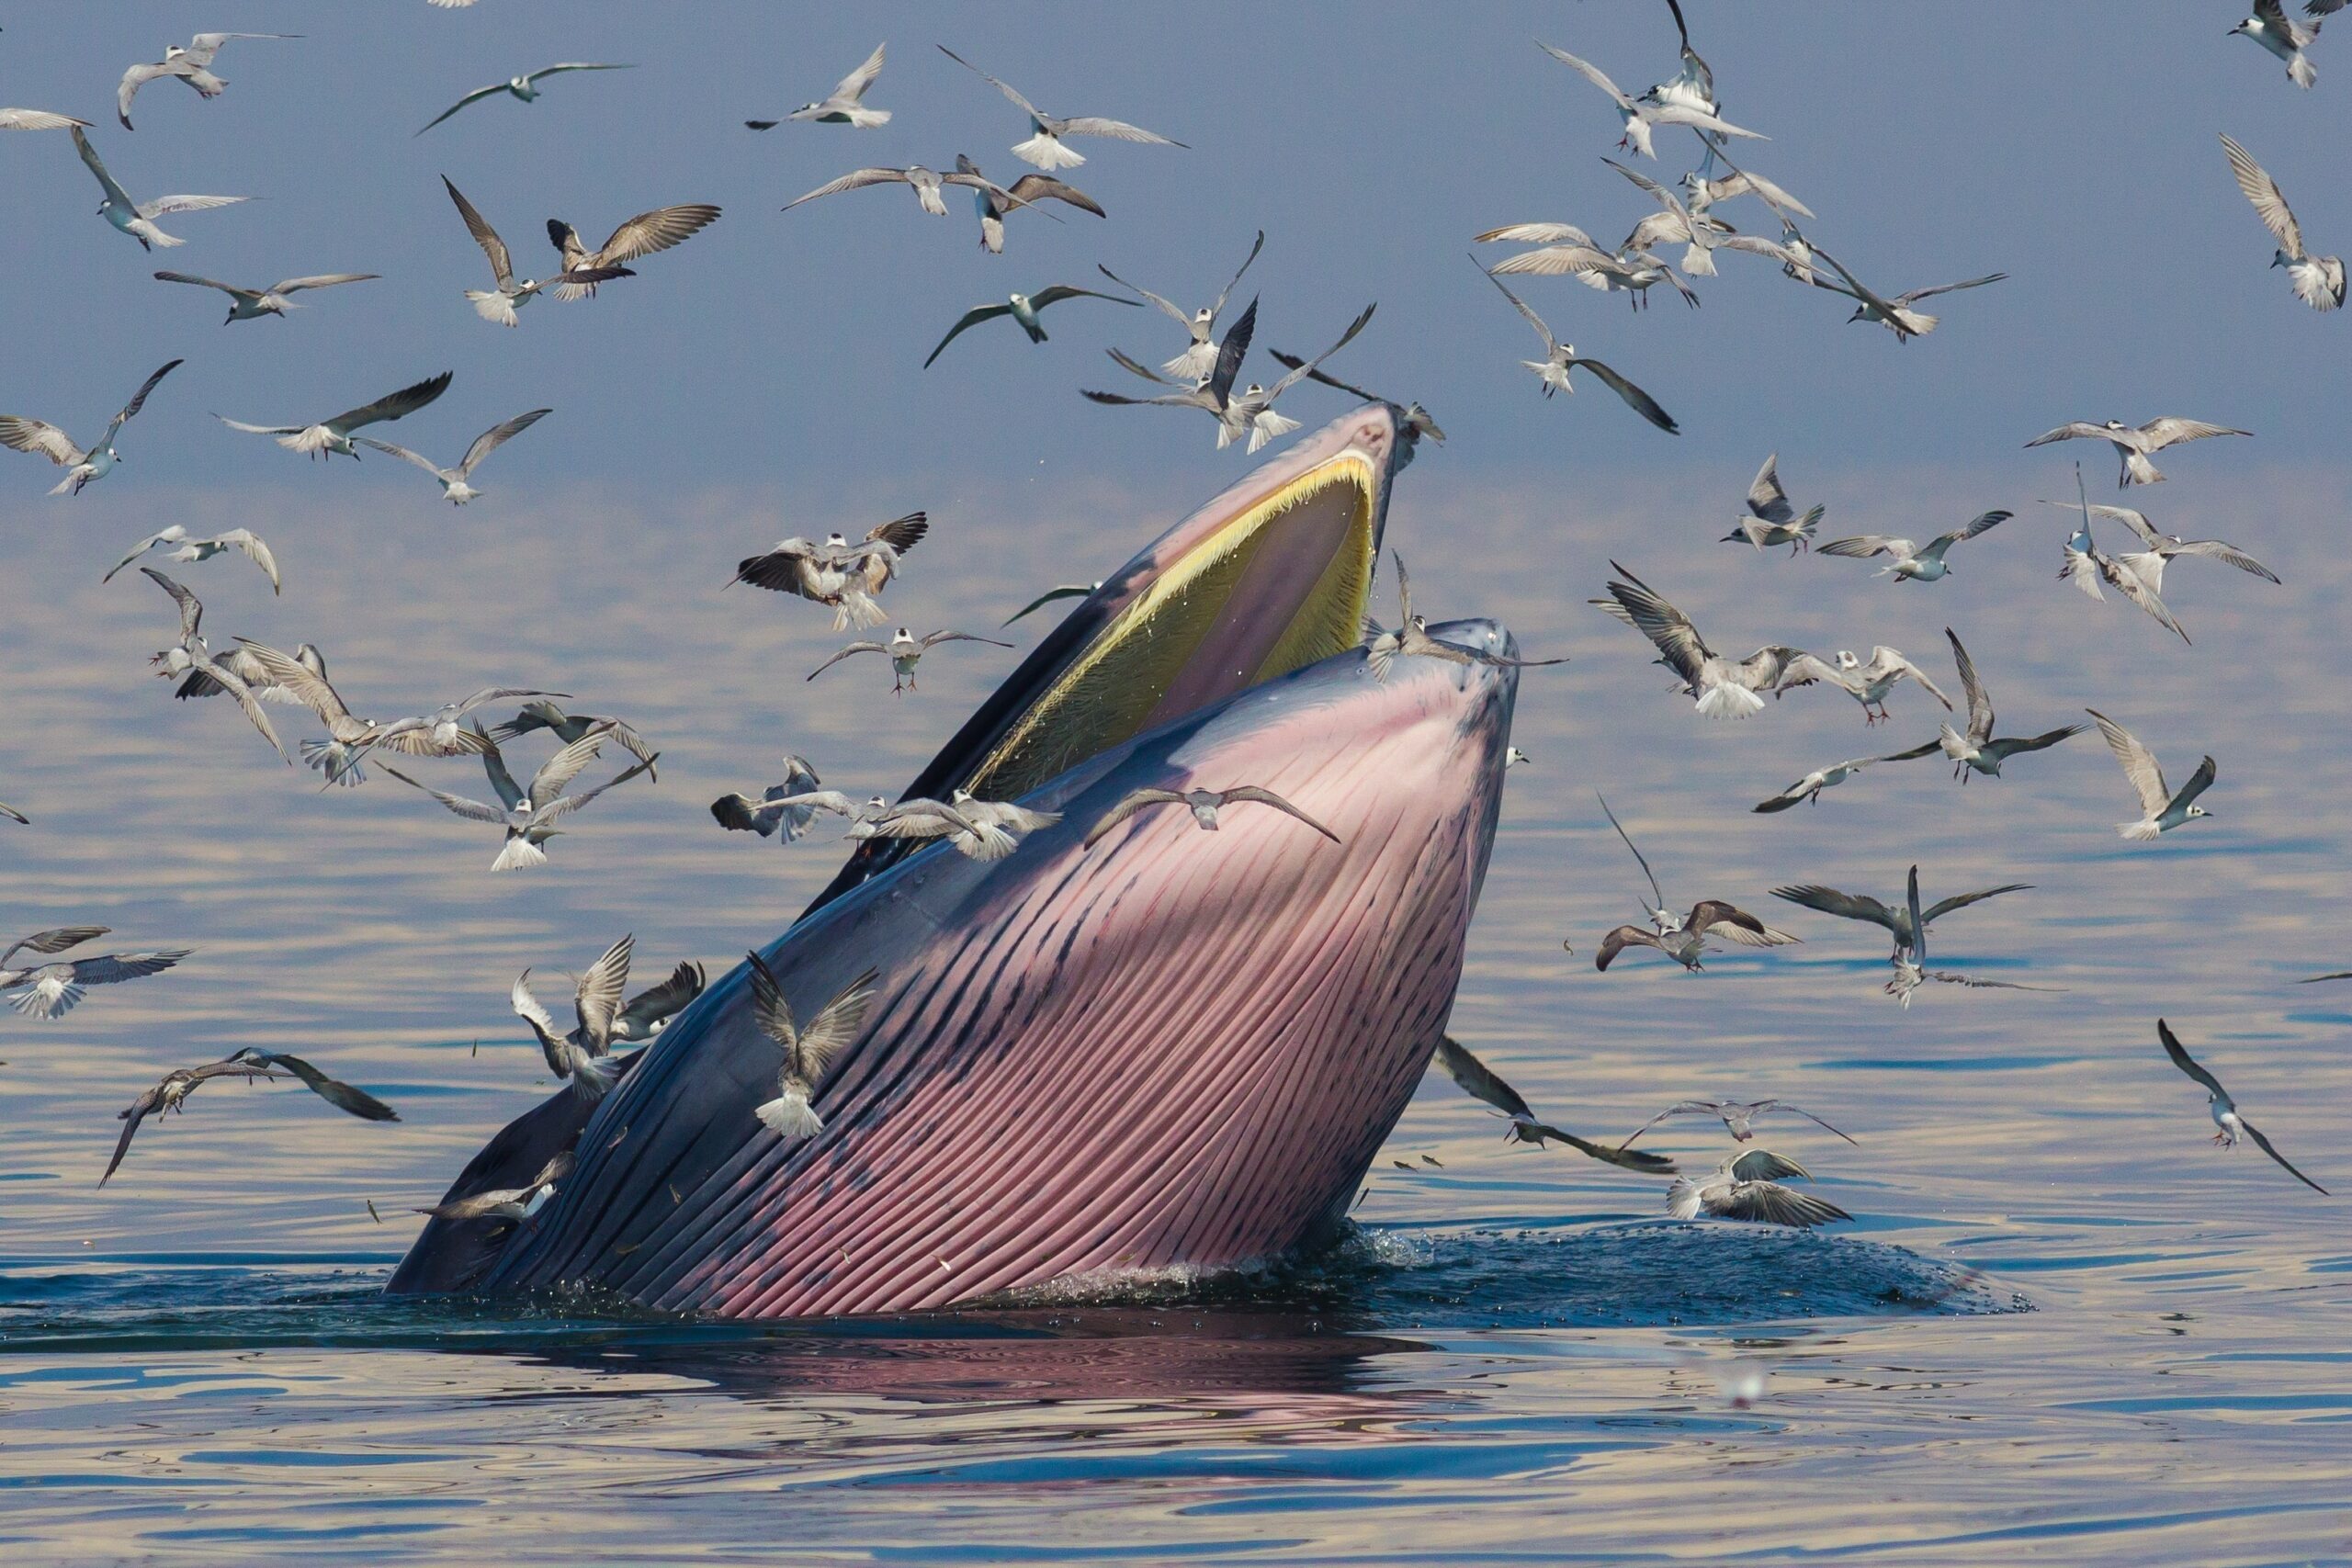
[[1271, 576]]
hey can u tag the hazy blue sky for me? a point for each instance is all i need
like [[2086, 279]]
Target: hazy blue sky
[[2073, 146]]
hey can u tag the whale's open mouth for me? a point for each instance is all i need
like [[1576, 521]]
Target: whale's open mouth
[[1277, 587], [1271, 576]]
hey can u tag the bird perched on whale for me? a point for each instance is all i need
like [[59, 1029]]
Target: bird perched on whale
[[807, 1052]]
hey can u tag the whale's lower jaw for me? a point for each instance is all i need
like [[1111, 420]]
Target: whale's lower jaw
[[1175, 1049]]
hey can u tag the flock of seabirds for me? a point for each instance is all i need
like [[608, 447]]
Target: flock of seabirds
[[851, 577]]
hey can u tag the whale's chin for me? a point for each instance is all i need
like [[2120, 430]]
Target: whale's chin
[[1165, 1049]]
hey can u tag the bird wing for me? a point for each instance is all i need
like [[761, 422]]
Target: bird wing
[[844, 653], [164, 205], [2186, 1063], [135, 78], [656, 1003], [1768, 1203], [1060, 291], [129, 411], [1551, 344], [2133, 586], [1268, 797], [769, 1009], [2269, 203], [1230, 352], [1027, 107], [112, 968], [560, 770], [1591, 73], [260, 429], [37, 119], [305, 684], [1641, 402], [655, 231], [2134, 520], [971, 317], [937, 637], [131, 1116], [115, 192], [1801, 1111], [597, 998], [38, 435], [191, 608], [1765, 496], [491, 440], [1128, 806], [1916, 295], [2043, 742], [419, 458], [170, 535], [855, 179], [502, 265], [835, 1025], [1169, 306], [1226, 292], [392, 405], [55, 941], [1980, 705], [472, 810], [2228, 554], [1982, 523], [1657, 898], [2199, 783], [253, 550], [854, 86], [2139, 764], [2265, 1145], [1944, 907], [1665, 626], [1117, 130], [1620, 939], [1032, 188], [527, 1007], [320, 280], [1680, 1108], [1846, 906], [571, 802], [2073, 430], [1538, 234], [901, 533], [2171, 431], [574, 65], [1713, 917], [242, 694], [1292, 376], [1479, 1080], [1861, 546], [342, 1096], [209, 283], [1893, 658], [1763, 1164], [477, 95]]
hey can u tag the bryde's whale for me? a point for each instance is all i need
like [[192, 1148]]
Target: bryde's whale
[[1171, 1049]]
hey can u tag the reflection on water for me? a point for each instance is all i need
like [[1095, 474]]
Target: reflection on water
[[2062, 1320]]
